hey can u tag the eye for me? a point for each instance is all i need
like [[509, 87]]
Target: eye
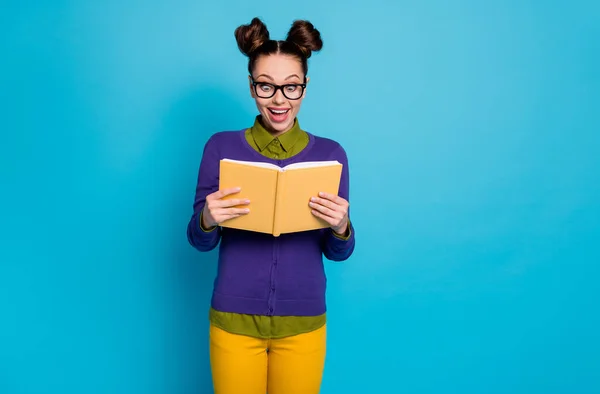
[[265, 87], [291, 88]]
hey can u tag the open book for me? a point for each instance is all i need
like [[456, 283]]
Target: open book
[[279, 196]]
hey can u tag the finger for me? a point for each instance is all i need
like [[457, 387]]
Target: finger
[[231, 202], [231, 211], [229, 217], [225, 192], [325, 210], [326, 203], [332, 197], [331, 221], [236, 211]]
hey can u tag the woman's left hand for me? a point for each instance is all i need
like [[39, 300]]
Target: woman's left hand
[[333, 209]]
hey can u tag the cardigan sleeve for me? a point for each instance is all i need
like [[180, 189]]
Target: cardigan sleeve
[[340, 247], [208, 182]]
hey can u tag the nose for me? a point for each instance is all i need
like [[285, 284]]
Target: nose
[[278, 98]]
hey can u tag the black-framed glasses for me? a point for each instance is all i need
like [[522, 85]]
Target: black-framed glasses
[[292, 91]]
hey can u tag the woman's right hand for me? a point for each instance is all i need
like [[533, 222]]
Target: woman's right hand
[[216, 210]]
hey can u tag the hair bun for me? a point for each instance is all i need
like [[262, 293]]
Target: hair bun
[[305, 36], [250, 37]]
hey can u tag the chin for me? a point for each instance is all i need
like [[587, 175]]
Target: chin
[[279, 127]]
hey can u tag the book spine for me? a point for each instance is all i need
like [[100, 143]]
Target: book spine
[[278, 216]]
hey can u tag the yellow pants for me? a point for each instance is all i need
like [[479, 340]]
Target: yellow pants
[[246, 365]]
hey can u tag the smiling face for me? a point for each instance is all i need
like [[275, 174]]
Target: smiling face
[[278, 112]]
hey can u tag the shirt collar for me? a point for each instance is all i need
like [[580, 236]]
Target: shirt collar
[[263, 138]]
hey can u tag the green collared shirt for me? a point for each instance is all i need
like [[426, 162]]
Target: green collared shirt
[[282, 147]]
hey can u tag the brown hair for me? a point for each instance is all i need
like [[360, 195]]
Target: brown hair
[[302, 40]]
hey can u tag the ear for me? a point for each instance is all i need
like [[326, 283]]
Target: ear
[[307, 81], [251, 87]]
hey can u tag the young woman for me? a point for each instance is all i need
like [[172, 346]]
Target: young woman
[[267, 315]]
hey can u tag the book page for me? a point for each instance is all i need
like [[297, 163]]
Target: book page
[[311, 164], [254, 164]]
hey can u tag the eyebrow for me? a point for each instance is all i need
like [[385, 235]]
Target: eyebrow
[[269, 77]]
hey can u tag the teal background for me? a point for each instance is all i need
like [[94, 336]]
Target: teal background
[[472, 130]]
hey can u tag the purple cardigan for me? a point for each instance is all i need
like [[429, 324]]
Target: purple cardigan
[[257, 273]]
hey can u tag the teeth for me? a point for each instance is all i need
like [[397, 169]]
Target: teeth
[[279, 112]]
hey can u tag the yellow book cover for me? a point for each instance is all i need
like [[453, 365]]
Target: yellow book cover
[[279, 196]]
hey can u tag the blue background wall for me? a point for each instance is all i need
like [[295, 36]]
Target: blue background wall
[[473, 133]]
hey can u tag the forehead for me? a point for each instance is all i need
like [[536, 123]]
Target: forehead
[[278, 66]]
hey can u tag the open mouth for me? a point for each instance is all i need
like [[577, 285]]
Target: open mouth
[[279, 111], [279, 115]]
